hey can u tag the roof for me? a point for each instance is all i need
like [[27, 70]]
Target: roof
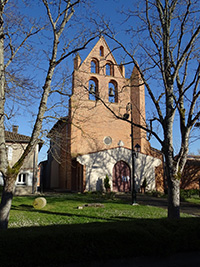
[[15, 137], [193, 157], [56, 126], [19, 138], [193, 160]]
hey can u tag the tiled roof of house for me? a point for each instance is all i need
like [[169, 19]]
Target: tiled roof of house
[[15, 137], [193, 160], [20, 138]]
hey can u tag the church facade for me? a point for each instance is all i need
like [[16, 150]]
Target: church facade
[[94, 140]]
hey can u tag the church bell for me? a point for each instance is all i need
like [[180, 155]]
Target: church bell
[[92, 89], [111, 92]]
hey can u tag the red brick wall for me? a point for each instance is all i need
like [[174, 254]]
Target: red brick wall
[[91, 121], [191, 174]]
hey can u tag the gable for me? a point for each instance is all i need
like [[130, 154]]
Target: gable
[[102, 53]]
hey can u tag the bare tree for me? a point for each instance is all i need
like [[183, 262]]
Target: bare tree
[[59, 13], [165, 51]]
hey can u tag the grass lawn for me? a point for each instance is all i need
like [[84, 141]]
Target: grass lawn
[[193, 199], [61, 233], [63, 209]]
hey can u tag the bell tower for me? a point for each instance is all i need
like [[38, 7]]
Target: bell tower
[[99, 86], [100, 93]]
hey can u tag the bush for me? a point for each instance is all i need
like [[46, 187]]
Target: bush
[[107, 183], [188, 193], [110, 195], [157, 194]]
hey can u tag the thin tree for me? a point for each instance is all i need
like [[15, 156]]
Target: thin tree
[[59, 13], [165, 51]]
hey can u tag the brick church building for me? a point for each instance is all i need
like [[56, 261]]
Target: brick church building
[[91, 142]]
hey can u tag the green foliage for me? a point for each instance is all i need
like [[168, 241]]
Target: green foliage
[[107, 183], [109, 195], [188, 193], [155, 193]]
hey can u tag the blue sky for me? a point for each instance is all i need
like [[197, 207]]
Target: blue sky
[[110, 10], [106, 8]]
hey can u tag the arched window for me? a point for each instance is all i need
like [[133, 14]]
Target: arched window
[[101, 51], [109, 69], [94, 66], [93, 89], [112, 92]]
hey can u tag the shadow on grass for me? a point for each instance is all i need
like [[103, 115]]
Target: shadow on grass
[[61, 244], [29, 208]]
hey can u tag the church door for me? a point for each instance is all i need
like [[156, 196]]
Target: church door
[[121, 177]]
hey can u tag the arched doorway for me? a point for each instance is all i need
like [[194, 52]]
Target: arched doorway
[[121, 177]]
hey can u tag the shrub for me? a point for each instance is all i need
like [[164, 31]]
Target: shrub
[[155, 193], [188, 193], [107, 183]]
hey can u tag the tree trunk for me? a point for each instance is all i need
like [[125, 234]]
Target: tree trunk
[[173, 183], [173, 198], [6, 200], [3, 153], [172, 169]]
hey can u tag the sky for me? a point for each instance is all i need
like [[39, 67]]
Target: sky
[[106, 8], [110, 10]]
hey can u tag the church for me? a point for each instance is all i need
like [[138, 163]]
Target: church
[[96, 139]]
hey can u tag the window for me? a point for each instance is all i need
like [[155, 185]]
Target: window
[[10, 152], [112, 92], [109, 69], [107, 140], [101, 51], [93, 89], [22, 179], [94, 66]]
